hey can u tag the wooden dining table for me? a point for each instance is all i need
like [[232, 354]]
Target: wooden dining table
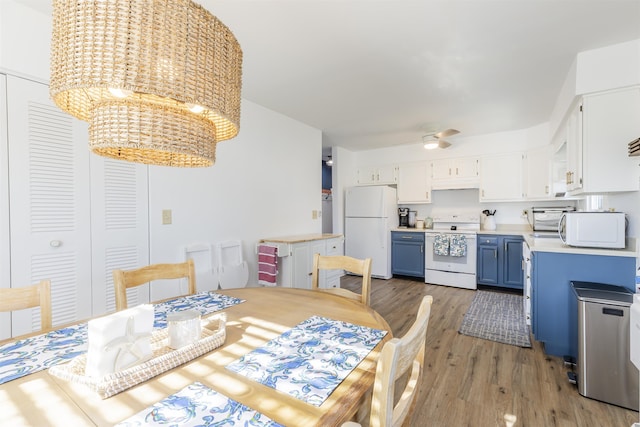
[[41, 399]]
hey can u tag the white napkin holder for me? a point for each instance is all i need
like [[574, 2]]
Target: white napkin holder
[[119, 341]]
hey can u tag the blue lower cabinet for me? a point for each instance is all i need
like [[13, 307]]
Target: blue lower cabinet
[[500, 261], [554, 305], [488, 266], [407, 253]]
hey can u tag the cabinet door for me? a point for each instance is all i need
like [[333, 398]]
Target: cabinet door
[[610, 121], [414, 183], [441, 169], [49, 203], [387, 174], [407, 254], [317, 247], [367, 175], [538, 176], [501, 177], [574, 149], [512, 273], [487, 264], [465, 167], [300, 256]]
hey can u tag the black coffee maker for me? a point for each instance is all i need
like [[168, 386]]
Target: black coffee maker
[[403, 217]]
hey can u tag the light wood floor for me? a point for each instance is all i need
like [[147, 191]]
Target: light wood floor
[[474, 382]]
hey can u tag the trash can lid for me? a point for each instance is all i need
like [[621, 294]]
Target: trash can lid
[[602, 293]]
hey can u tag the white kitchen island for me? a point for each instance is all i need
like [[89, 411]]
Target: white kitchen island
[[295, 259]]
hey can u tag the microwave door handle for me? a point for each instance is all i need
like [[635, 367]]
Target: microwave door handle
[[561, 223]]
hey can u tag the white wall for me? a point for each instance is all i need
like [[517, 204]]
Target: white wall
[[25, 40], [464, 200], [595, 70], [265, 182]]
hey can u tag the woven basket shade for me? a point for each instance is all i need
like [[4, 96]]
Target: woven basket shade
[[168, 55]]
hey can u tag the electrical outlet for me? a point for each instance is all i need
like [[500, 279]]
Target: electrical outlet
[[166, 216]]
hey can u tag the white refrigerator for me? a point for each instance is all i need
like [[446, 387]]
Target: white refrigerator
[[371, 213]]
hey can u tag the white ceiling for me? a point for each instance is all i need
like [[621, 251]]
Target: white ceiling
[[376, 73], [372, 73]]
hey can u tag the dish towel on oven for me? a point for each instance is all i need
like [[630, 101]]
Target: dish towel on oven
[[441, 244], [457, 245], [267, 265]]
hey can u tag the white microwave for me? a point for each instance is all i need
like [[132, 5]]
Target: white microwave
[[593, 229]]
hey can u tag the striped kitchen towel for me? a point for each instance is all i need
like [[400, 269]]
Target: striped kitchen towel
[[267, 265]]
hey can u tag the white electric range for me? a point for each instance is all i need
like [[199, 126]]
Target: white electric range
[[454, 265]]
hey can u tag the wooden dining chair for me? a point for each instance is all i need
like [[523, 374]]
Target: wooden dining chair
[[12, 299], [123, 280], [352, 265], [398, 357]]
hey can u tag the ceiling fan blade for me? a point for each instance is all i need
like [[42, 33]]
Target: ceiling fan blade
[[443, 144], [447, 132]]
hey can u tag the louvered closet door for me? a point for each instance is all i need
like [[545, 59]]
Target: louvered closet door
[[5, 248], [48, 203], [120, 230]]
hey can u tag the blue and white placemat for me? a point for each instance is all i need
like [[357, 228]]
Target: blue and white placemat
[[198, 405], [33, 354], [30, 355], [310, 360], [204, 302]]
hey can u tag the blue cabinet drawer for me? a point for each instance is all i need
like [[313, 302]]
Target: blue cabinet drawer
[[402, 236], [487, 240]]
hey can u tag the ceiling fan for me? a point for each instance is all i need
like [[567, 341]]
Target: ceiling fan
[[433, 140]]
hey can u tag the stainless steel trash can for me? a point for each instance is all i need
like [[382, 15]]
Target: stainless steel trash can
[[604, 367]]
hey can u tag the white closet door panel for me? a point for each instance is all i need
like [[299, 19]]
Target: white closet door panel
[[120, 231], [5, 248], [48, 201]]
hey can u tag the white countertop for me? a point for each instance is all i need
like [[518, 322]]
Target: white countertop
[[547, 244]]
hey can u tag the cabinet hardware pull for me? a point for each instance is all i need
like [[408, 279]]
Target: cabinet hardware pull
[[407, 237], [421, 248], [55, 243], [495, 253]]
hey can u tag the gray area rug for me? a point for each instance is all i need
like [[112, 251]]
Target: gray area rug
[[497, 316]]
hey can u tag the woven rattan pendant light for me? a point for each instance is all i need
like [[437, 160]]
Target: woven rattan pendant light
[[158, 80]]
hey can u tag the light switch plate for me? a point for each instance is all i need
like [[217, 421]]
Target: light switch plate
[[166, 216]]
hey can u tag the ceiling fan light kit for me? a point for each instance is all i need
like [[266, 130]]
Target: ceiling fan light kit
[[432, 140]]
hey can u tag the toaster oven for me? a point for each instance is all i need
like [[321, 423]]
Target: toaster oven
[[547, 219]]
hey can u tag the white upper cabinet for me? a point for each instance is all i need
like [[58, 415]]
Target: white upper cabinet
[[610, 121], [414, 183], [538, 173], [501, 177], [574, 142], [455, 173], [378, 175]]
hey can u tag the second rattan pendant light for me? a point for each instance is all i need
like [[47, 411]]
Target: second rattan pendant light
[[158, 81]]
